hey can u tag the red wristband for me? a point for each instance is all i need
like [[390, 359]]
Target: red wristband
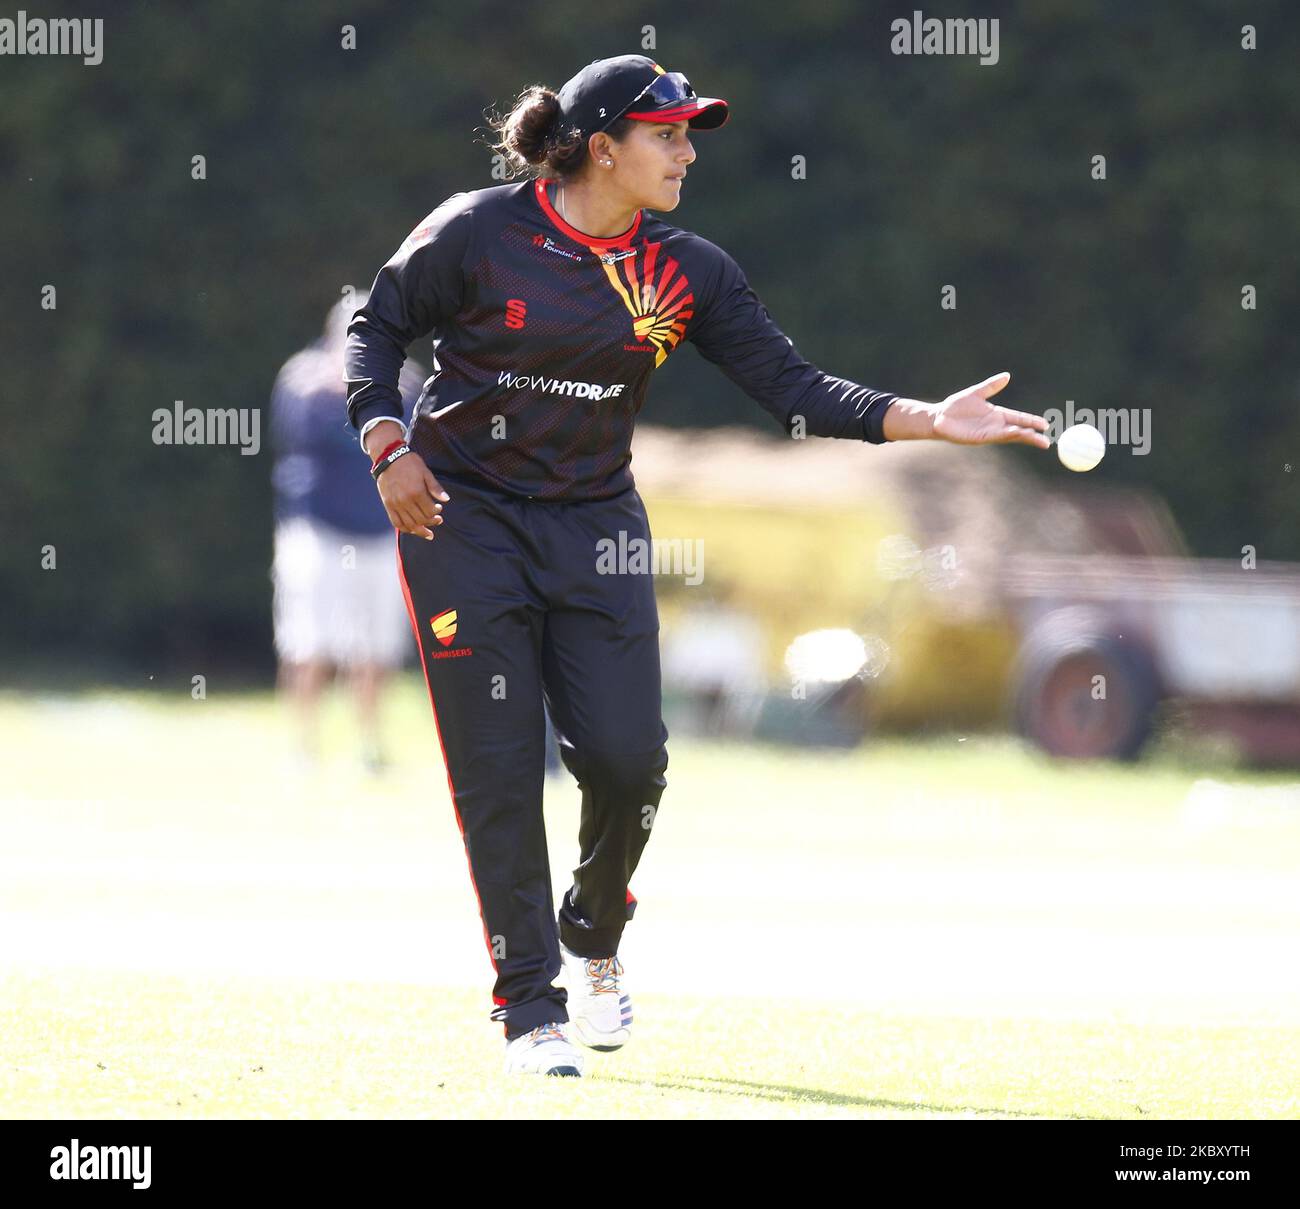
[[386, 451]]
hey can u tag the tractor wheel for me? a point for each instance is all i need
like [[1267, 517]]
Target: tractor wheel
[[1082, 692]]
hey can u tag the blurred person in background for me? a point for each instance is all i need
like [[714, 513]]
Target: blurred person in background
[[338, 603], [713, 657]]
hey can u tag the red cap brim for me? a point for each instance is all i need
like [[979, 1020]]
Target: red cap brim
[[703, 113]]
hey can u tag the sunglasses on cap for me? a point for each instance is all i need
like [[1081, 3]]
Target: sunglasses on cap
[[664, 92]]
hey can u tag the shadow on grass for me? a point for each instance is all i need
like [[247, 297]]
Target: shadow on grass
[[781, 1092]]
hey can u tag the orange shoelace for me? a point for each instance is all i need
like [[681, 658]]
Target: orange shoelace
[[603, 973]]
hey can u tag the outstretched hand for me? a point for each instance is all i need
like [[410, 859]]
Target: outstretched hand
[[968, 418]]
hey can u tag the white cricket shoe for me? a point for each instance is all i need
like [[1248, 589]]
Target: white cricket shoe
[[544, 1051], [600, 1010]]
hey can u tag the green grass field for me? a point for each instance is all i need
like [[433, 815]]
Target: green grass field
[[190, 928]]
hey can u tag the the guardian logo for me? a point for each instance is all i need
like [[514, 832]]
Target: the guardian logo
[[78, 1162], [559, 386]]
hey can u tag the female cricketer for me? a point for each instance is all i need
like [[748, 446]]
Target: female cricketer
[[552, 301]]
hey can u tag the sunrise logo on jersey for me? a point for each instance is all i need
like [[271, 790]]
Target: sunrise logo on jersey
[[658, 296]]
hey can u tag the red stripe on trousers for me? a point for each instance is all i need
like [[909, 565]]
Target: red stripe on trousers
[[424, 666]]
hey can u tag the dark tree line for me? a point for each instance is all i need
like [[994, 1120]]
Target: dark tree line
[[852, 185]]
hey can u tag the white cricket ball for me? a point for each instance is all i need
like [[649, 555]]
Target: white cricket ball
[[1080, 447]]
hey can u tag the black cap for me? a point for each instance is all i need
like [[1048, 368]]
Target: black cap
[[632, 86]]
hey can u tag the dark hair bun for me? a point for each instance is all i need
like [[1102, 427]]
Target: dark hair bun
[[530, 127], [532, 140]]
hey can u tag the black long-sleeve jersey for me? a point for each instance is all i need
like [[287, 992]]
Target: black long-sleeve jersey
[[545, 341]]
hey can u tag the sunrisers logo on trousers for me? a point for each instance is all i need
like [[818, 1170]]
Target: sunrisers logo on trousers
[[559, 386], [443, 626]]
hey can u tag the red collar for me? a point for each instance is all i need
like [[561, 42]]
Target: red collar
[[590, 241]]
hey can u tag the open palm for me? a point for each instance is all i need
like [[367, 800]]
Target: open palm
[[968, 418]]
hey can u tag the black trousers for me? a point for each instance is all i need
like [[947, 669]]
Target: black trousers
[[516, 600]]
